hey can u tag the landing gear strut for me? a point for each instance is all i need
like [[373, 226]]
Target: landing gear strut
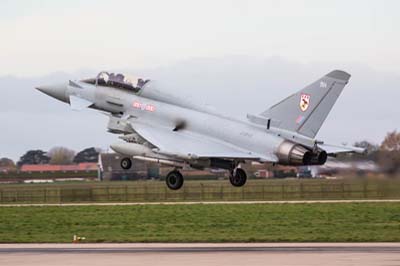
[[174, 180], [126, 163], [238, 177]]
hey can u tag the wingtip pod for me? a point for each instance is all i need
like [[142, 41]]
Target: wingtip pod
[[339, 74]]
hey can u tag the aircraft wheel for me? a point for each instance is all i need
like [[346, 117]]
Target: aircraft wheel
[[174, 180], [126, 163], [238, 177]]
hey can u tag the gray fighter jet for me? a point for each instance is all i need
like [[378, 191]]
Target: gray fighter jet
[[156, 126]]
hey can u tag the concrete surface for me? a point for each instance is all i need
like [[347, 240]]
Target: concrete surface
[[202, 254]]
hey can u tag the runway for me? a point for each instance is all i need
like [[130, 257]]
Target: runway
[[202, 254]]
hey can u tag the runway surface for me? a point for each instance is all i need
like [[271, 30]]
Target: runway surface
[[200, 202], [202, 254]]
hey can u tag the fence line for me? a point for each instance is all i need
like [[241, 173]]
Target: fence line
[[157, 192]]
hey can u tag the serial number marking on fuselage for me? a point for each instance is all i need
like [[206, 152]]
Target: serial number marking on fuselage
[[246, 134], [143, 106]]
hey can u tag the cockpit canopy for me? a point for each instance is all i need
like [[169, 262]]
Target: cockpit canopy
[[118, 80]]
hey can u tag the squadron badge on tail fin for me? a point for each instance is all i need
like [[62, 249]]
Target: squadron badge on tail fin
[[304, 101]]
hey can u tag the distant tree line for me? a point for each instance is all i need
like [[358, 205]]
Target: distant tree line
[[386, 155], [389, 153], [56, 155], [7, 163]]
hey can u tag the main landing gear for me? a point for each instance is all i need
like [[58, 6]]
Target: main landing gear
[[238, 177], [174, 180]]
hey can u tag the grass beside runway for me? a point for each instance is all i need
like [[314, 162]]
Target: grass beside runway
[[347, 222]]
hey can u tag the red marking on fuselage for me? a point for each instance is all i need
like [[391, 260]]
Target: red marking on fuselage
[[142, 106], [150, 108], [136, 105]]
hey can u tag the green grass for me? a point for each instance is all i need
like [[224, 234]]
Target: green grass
[[203, 223]]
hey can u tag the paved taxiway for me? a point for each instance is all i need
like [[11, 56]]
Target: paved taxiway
[[202, 254]]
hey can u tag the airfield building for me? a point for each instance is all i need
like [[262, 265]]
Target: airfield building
[[110, 169]]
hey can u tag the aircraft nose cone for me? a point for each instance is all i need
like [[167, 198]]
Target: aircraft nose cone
[[57, 91]]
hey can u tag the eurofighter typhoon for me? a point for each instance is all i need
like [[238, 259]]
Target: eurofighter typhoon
[[156, 126]]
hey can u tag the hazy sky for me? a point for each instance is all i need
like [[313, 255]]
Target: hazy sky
[[44, 36]]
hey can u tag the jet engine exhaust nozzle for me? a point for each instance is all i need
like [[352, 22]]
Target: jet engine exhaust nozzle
[[290, 153]]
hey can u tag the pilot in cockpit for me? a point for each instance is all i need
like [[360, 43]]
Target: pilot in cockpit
[[118, 81]]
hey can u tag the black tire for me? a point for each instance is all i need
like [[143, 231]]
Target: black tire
[[126, 163], [174, 180], [238, 177]]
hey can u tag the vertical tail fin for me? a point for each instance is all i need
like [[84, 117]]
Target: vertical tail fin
[[305, 111]]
